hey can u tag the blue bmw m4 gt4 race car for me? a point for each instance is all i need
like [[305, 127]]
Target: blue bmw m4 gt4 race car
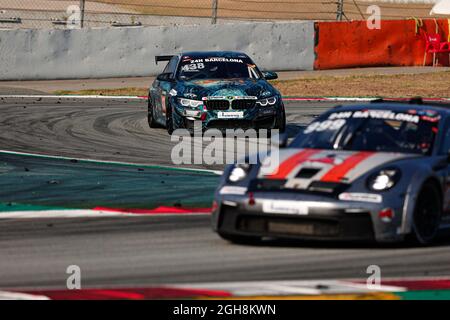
[[378, 171], [223, 90]]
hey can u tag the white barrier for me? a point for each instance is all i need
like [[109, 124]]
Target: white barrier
[[101, 53]]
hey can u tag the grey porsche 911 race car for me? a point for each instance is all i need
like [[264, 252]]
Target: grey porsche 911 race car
[[378, 171]]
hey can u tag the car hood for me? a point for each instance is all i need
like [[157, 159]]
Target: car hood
[[230, 87], [300, 167]]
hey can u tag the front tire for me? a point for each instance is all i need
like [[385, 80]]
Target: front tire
[[427, 215], [169, 120], [151, 116]]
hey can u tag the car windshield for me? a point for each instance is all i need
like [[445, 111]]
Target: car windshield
[[372, 130], [193, 68]]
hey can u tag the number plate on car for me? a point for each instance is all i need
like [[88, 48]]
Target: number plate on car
[[230, 115], [286, 207]]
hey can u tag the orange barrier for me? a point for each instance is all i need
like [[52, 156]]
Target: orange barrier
[[352, 44]]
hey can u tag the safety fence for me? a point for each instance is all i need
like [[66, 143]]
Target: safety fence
[[396, 43], [64, 14]]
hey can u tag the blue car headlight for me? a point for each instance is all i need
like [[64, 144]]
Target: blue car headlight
[[384, 179], [267, 102], [190, 103]]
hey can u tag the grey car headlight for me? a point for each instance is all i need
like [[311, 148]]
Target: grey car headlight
[[384, 179], [190, 103], [267, 102], [239, 172]]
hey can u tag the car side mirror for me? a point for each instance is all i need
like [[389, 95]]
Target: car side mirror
[[280, 140], [165, 77], [269, 75]]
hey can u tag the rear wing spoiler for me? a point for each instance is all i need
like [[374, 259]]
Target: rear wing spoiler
[[163, 58]]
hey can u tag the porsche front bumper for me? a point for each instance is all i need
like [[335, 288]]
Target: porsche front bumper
[[322, 218]]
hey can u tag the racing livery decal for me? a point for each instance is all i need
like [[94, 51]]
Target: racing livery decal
[[223, 90]]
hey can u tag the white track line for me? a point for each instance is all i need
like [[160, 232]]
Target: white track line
[[45, 156], [358, 99], [6, 295], [331, 99], [295, 287], [306, 99], [84, 213], [410, 278], [13, 96], [59, 214]]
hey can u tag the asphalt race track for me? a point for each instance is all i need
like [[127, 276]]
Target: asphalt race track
[[99, 129], [141, 251]]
